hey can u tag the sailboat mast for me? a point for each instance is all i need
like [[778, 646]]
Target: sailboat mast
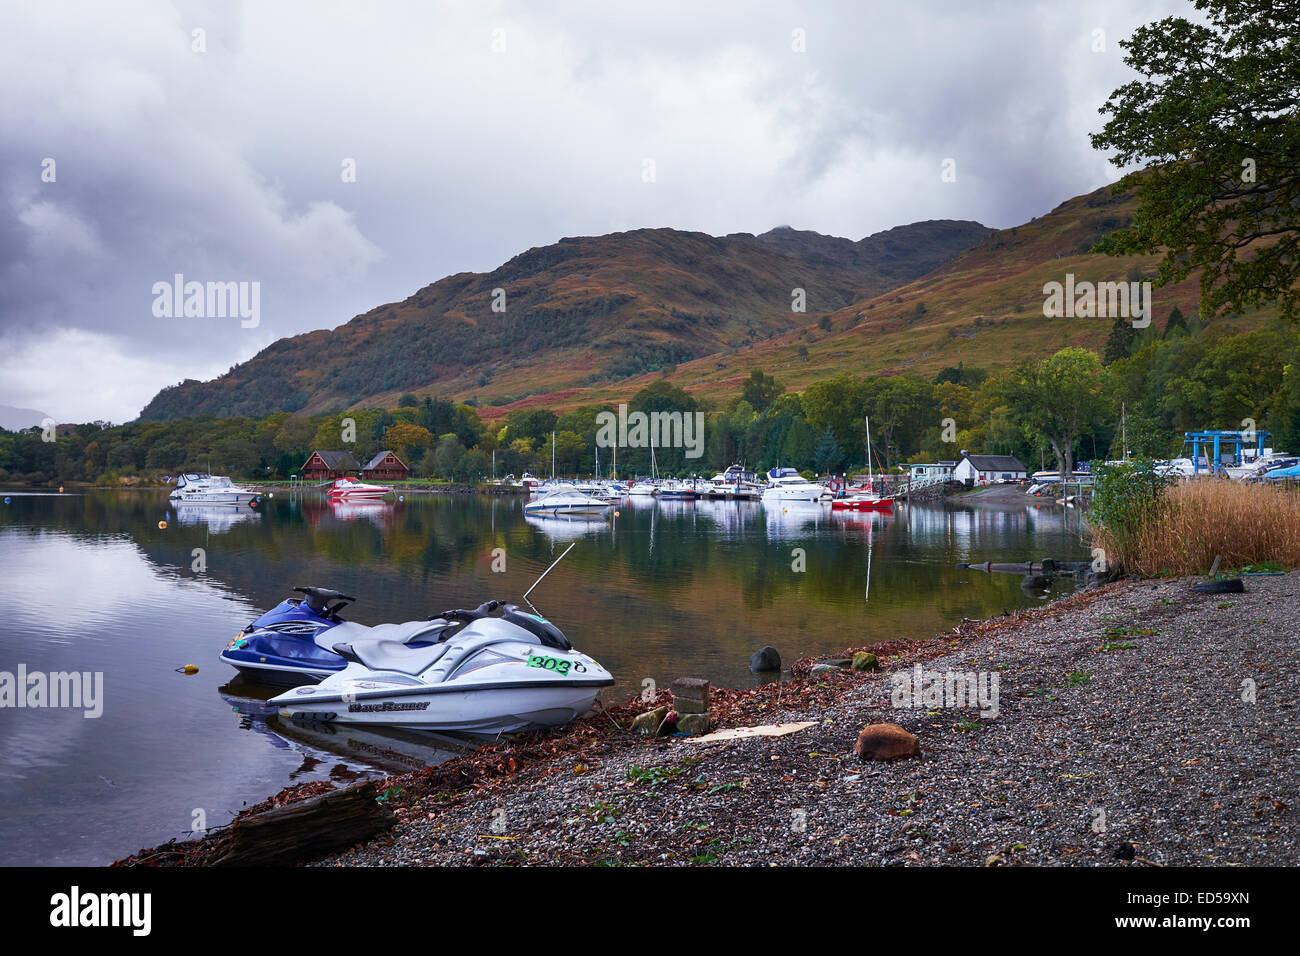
[[871, 482], [552, 456], [1123, 419]]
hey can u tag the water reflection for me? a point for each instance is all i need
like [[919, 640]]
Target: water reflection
[[215, 518], [664, 590], [569, 527], [367, 751]]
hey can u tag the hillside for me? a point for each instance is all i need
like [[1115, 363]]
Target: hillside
[[580, 313], [983, 308]]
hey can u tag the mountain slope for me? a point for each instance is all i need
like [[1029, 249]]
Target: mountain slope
[[982, 308], [578, 313]]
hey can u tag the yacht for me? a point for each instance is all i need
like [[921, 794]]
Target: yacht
[[196, 487], [786, 484], [733, 484]]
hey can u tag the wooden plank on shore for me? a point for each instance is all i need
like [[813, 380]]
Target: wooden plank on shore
[[304, 830], [743, 733]]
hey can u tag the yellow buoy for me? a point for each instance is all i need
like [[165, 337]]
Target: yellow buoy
[[187, 669], [162, 525]]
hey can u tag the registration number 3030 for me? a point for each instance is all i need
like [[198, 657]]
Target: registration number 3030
[[549, 663]]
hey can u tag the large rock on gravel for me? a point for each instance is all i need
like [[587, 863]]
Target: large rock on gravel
[[649, 722], [765, 659], [886, 742], [819, 669], [864, 661]]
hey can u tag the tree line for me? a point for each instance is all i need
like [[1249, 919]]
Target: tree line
[[1057, 411]]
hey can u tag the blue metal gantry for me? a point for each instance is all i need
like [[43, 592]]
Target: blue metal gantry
[[1216, 443]]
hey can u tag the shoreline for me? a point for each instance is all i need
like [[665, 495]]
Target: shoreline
[[1121, 738]]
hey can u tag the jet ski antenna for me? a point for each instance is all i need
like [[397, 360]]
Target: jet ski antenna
[[548, 570]]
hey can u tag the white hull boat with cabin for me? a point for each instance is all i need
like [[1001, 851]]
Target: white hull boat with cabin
[[564, 501], [786, 484], [205, 489]]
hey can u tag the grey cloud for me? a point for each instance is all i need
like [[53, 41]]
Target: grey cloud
[[225, 165]]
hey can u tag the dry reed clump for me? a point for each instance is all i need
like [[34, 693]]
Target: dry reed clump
[[1246, 524]]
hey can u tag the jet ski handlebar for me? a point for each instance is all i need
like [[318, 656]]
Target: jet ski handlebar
[[318, 599], [460, 614]]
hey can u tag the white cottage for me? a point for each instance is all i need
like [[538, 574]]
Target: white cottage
[[937, 469], [987, 469]]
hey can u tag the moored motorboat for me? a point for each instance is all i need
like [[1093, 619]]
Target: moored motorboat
[[201, 488], [566, 501], [674, 489], [349, 487], [644, 488], [786, 484]]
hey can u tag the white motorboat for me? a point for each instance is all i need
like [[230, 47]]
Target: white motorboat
[[352, 489], [733, 484], [563, 501], [495, 674], [200, 488], [1177, 468], [1253, 469], [675, 489], [786, 484]]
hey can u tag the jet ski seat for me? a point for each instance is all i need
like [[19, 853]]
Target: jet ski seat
[[384, 655], [408, 632]]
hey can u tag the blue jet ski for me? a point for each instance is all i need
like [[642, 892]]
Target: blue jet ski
[[294, 641]]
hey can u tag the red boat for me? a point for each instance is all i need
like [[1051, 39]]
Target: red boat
[[863, 498], [863, 501], [350, 488]]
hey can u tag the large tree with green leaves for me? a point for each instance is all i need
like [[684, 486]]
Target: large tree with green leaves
[[761, 390], [1215, 121], [1056, 401]]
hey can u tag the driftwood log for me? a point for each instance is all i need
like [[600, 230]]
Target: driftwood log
[[302, 831]]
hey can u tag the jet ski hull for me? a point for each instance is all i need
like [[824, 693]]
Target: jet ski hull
[[485, 709]]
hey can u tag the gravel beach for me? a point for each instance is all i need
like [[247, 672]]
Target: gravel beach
[[1139, 724]]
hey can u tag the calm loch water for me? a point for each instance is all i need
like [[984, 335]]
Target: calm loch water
[[663, 590]]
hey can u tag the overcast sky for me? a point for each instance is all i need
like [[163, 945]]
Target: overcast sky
[[478, 130]]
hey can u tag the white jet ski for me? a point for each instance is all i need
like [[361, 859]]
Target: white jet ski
[[494, 674]]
